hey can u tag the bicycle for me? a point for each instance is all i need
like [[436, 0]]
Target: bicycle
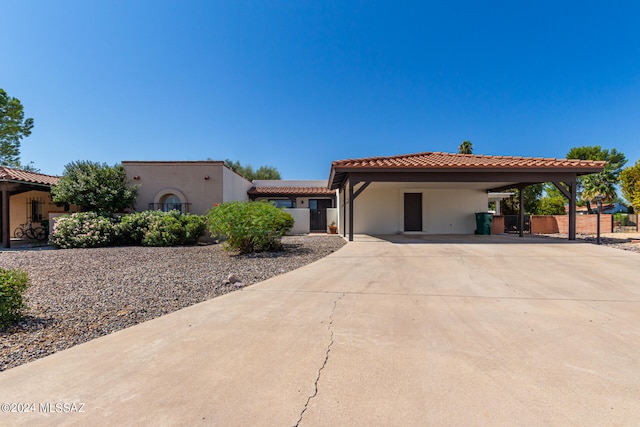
[[31, 232]]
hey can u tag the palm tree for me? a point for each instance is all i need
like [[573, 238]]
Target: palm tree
[[465, 148], [598, 184]]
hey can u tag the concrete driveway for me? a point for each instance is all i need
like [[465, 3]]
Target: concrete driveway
[[473, 330]]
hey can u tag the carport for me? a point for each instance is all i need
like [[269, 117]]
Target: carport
[[14, 181], [455, 172]]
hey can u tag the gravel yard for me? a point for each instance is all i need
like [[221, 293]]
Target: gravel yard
[[625, 241], [77, 295]]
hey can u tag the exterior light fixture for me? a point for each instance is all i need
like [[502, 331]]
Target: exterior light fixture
[[206, 177], [136, 177]]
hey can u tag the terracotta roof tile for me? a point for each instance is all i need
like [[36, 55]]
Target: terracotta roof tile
[[436, 160], [290, 191], [11, 174]]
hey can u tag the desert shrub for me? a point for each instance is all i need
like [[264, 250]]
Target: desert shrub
[[148, 228], [194, 228], [83, 230], [164, 230], [157, 228], [13, 283], [249, 226], [134, 226]]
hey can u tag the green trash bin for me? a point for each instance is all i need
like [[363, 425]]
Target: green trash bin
[[483, 223]]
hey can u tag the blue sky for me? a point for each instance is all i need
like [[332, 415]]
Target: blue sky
[[297, 84]]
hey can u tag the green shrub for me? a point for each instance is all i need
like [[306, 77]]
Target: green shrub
[[83, 230], [164, 230], [157, 228], [133, 227], [249, 226], [194, 228], [13, 283], [148, 228]]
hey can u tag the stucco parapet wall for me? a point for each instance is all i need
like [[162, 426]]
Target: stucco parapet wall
[[172, 162]]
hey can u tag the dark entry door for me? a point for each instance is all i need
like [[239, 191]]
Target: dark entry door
[[412, 211], [318, 214]]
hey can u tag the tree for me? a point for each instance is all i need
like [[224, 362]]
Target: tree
[[532, 193], [603, 183], [552, 206], [95, 187], [263, 172], [13, 127], [465, 148], [630, 184]]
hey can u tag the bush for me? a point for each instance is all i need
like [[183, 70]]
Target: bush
[[148, 228], [83, 230], [157, 228], [249, 226], [133, 227], [13, 283]]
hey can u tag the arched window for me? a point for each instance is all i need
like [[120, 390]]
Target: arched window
[[170, 202]]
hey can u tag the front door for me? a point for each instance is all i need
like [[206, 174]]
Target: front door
[[318, 214], [412, 211]]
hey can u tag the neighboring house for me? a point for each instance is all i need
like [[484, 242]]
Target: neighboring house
[[188, 186], [311, 203], [439, 193], [607, 208], [26, 197]]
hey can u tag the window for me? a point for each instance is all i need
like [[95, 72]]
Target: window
[[34, 210], [282, 203], [171, 202]]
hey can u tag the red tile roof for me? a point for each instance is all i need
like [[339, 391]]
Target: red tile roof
[[464, 161], [17, 175], [290, 191]]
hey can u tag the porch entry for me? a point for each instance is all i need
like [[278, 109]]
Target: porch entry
[[412, 211], [318, 214]]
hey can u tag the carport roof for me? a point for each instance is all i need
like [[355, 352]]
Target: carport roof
[[458, 163]]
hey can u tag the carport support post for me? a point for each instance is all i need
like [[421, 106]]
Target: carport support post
[[569, 190], [521, 216], [350, 211], [344, 211], [572, 209], [6, 233]]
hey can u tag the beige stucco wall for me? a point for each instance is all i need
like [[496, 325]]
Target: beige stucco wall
[[235, 187], [300, 220], [379, 209], [19, 212], [201, 183]]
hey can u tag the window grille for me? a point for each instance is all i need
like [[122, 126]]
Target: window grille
[[34, 210]]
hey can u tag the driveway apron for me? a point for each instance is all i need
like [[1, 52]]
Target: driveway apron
[[444, 330]]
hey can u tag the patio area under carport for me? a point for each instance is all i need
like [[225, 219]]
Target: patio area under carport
[[452, 172]]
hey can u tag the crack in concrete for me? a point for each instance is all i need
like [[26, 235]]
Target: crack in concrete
[[326, 359]]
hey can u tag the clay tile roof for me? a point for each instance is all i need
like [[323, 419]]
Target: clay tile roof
[[17, 175], [437, 160], [290, 191]]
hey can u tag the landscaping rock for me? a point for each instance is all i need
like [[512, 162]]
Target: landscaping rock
[[77, 295], [233, 279]]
